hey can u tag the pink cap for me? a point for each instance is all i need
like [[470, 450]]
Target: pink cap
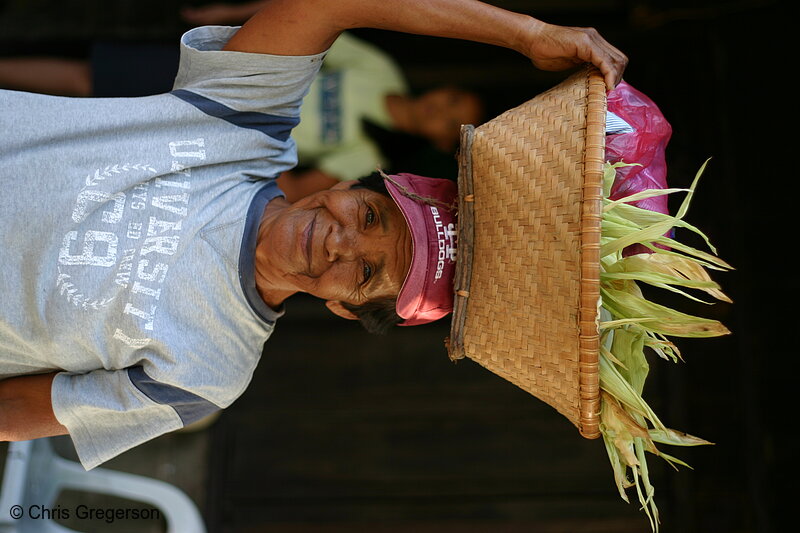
[[427, 292]]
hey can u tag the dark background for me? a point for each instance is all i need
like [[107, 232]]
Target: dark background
[[342, 431]]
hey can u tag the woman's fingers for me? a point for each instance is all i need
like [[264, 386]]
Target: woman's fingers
[[561, 47]]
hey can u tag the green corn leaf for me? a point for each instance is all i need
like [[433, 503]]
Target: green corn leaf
[[653, 278], [645, 218], [664, 348], [643, 195], [666, 321], [614, 324], [610, 356], [638, 216], [671, 243], [650, 234], [672, 460], [672, 253], [610, 174], [637, 367], [612, 229], [687, 200], [629, 323], [663, 281], [664, 268], [615, 217], [612, 382], [618, 468], [676, 438], [643, 501], [649, 501]]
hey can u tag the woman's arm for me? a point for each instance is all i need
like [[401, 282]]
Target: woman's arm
[[306, 27], [222, 13], [26, 410]]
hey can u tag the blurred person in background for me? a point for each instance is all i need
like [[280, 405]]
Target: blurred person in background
[[359, 114]]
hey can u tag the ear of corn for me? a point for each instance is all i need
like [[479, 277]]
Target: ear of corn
[[630, 323]]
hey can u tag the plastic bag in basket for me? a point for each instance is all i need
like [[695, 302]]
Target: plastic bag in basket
[[645, 146]]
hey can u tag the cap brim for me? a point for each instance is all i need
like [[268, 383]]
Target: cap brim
[[409, 296]]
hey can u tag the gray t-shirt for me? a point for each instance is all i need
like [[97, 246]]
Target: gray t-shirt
[[127, 239]]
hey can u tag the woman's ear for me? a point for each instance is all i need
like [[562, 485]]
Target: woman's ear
[[337, 308]]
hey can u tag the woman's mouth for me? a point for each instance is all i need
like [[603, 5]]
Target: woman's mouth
[[308, 238]]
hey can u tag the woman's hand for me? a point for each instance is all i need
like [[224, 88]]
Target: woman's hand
[[555, 48]]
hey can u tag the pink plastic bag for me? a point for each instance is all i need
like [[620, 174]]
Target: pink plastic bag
[[645, 146]]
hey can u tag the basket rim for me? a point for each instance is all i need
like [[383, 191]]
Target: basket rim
[[589, 314]]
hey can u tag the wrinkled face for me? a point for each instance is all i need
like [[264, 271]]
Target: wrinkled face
[[441, 112], [342, 244]]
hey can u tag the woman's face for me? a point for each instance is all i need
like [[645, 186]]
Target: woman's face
[[344, 244], [439, 114]]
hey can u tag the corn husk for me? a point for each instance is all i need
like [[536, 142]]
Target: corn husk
[[630, 324]]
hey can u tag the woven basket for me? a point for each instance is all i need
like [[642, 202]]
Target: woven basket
[[527, 274]]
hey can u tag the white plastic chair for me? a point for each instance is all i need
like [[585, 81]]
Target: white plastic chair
[[35, 475]]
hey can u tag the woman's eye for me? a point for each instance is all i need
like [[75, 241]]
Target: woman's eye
[[367, 273], [370, 218]]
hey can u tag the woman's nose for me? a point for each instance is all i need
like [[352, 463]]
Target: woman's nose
[[341, 244]]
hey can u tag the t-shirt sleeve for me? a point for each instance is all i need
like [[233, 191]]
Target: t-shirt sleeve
[[244, 82], [110, 412]]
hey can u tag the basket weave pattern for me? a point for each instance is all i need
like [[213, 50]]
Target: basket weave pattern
[[530, 304]]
